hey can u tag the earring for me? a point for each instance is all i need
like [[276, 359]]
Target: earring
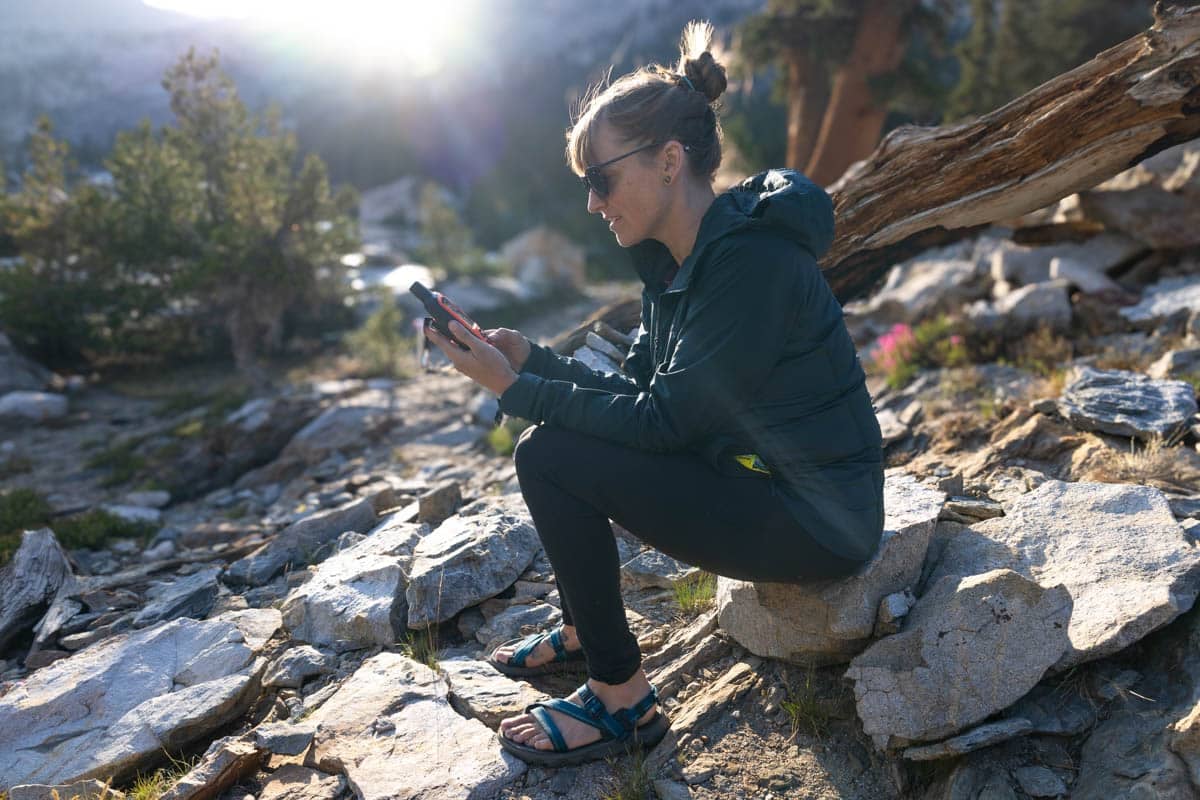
[[667, 179]]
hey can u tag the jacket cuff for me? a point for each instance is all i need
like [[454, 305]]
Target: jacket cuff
[[536, 363], [518, 399]]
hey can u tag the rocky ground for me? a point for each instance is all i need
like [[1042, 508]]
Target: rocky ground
[[329, 565]]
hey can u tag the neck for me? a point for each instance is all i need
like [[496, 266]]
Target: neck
[[683, 220]]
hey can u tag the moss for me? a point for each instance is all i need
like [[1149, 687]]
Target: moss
[[20, 510], [121, 462], [95, 528]]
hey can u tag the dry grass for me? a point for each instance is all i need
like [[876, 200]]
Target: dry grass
[[695, 594], [1042, 352], [1157, 462], [630, 779]]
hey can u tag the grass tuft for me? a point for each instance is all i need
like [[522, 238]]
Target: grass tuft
[[696, 593], [630, 779], [806, 711], [422, 647], [20, 510], [1156, 463], [93, 529], [153, 785], [120, 461]]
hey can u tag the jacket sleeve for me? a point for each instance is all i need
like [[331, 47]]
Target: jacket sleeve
[[741, 310], [545, 363]]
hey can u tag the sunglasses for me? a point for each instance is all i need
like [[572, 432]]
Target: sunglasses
[[593, 178]]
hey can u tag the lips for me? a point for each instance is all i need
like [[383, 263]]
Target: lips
[[612, 222]]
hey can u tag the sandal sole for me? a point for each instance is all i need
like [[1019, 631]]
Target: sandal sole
[[575, 662], [645, 737]]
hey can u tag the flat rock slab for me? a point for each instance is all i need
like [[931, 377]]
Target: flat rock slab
[[391, 731], [1165, 298], [479, 692], [356, 597], [1126, 403], [970, 647], [225, 763], [191, 596], [85, 717], [24, 407], [1117, 548], [296, 543], [974, 739], [293, 782], [653, 569], [468, 558], [828, 622]]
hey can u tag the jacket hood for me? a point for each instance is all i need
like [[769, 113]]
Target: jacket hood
[[781, 200]]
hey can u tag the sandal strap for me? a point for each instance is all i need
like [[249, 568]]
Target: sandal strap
[[556, 641], [547, 722], [628, 717], [528, 645]]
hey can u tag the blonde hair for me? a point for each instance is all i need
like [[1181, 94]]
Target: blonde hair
[[656, 104]]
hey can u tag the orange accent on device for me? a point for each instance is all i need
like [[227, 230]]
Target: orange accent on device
[[441, 310]]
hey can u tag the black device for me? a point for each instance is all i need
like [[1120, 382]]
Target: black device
[[441, 310]]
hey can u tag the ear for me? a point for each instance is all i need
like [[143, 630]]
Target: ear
[[673, 159]]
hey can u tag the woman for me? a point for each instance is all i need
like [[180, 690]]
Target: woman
[[741, 438]]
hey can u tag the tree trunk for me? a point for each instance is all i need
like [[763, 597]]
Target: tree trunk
[[1070, 133], [808, 97], [854, 120]]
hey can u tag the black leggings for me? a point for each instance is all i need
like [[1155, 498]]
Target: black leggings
[[734, 526]]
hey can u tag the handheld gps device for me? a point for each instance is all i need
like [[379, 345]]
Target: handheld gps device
[[441, 310]]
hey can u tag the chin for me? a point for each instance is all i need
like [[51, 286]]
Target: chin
[[626, 241]]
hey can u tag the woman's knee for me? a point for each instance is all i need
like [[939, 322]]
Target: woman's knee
[[539, 447]]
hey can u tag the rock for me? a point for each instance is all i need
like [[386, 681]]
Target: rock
[[974, 739], [654, 569], [225, 763], [1164, 299], [1184, 741], [297, 543], [284, 738], [478, 691], [18, 373], [605, 348], [1015, 264], [1185, 507], [514, 620], [970, 509], [24, 407], [1039, 782], [920, 287], [137, 514], [440, 502], [79, 790], [468, 559], [1176, 364], [348, 424], [298, 664], [1055, 711], [594, 360], [892, 428], [1117, 548], [84, 717], [892, 611], [155, 499], [391, 731], [1033, 306], [192, 596], [293, 782], [671, 790], [1155, 201], [830, 621], [545, 260], [1126, 403], [356, 597], [970, 647], [1126, 756], [37, 573], [1083, 276]]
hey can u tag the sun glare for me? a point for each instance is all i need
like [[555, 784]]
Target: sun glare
[[369, 33]]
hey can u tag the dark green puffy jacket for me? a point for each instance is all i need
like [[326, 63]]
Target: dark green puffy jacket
[[745, 352]]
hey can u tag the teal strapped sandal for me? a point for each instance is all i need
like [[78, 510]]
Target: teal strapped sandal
[[619, 731], [564, 660]]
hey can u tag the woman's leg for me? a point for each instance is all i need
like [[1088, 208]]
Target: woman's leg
[[573, 484]]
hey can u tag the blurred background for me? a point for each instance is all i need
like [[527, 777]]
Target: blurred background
[[194, 180]]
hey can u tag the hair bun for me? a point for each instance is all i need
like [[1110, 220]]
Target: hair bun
[[706, 75], [697, 63]]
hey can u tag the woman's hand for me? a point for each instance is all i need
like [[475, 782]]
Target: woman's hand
[[514, 346], [482, 363]]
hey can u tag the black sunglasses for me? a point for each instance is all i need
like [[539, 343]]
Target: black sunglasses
[[594, 178]]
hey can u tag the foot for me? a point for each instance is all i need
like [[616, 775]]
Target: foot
[[544, 652], [524, 729]]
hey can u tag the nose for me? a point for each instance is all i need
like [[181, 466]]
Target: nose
[[595, 203]]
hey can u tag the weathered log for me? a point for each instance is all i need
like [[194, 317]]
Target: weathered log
[[1128, 103], [30, 582]]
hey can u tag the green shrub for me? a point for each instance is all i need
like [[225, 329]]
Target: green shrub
[[94, 529], [121, 462], [696, 593], [381, 344], [503, 438], [20, 510], [904, 351]]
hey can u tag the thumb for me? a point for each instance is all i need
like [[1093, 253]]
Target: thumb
[[463, 335]]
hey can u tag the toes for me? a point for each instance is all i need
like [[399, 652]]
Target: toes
[[541, 743]]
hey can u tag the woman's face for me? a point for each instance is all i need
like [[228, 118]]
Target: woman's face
[[635, 204]]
